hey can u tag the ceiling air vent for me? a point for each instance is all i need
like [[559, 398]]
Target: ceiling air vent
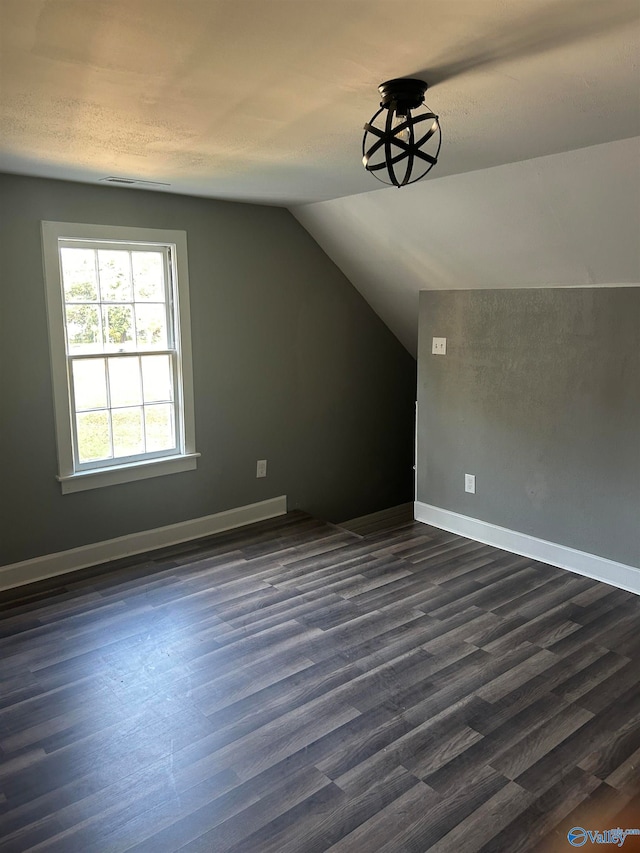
[[113, 179]]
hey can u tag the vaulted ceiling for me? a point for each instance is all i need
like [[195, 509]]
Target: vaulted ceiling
[[265, 100], [564, 220]]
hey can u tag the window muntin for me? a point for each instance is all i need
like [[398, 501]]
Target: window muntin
[[120, 345], [121, 351]]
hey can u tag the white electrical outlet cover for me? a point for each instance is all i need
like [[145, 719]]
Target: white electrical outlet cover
[[438, 346]]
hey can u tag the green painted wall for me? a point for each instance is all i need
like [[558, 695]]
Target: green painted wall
[[290, 365], [539, 397]]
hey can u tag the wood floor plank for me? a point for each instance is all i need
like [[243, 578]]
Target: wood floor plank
[[486, 751], [299, 687], [205, 830], [625, 776], [451, 809], [486, 821], [382, 830], [550, 808], [283, 835]]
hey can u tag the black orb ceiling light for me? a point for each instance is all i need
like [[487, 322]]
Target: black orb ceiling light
[[402, 140]]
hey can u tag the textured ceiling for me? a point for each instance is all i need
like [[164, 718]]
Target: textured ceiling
[[264, 100]]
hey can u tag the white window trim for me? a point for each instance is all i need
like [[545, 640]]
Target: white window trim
[[70, 479]]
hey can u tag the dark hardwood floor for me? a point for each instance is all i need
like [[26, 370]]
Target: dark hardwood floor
[[296, 687]]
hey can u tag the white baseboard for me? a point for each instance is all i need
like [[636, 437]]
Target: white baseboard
[[50, 565], [580, 562]]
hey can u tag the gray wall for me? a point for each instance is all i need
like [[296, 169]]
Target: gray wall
[[290, 365], [539, 397]]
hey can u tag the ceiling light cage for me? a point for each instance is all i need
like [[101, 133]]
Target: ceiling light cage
[[402, 140]]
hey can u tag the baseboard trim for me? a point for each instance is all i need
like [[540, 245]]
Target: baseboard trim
[[50, 565], [581, 562]]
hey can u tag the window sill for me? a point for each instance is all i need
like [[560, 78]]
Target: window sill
[[97, 478]]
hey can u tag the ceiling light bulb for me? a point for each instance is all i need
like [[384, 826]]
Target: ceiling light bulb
[[404, 135]]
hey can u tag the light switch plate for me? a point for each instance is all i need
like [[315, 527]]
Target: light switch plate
[[439, 346]]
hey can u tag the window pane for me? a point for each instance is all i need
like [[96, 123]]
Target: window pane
[[79, 275], [118, 327], [83, 328], [151, 326], [148, 276], [115, 276], [156, 378], [89, 384], [159, 422], [121, 358], [93, 436], [128, 438], [124, 381]]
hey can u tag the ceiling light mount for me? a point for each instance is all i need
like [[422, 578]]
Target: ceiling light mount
[[402, 140]]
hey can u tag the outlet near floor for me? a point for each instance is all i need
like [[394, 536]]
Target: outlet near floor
[[261, 468], [470, 483]]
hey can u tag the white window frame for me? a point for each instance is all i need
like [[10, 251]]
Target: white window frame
[[151, 465]]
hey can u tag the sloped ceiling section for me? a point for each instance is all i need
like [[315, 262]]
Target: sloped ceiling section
[[569, 219]]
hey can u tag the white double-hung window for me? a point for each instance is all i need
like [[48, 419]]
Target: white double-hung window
[[119, 333]]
